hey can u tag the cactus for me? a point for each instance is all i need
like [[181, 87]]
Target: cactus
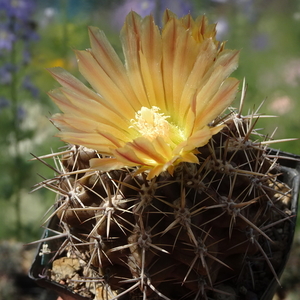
[[210, 222]]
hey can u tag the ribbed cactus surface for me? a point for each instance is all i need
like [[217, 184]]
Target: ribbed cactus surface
[[160, 196], [213, 230]]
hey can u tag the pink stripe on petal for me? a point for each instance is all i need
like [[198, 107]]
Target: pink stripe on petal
[[103, 84], [110, 62], [128, 156], [69, 81], [144, 148]]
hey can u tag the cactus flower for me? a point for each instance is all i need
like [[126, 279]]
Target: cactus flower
[[154, 110]]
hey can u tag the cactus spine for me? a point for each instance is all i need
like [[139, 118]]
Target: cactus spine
[[159, 195], [212, 229]]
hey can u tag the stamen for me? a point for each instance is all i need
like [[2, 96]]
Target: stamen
[[150, 123]]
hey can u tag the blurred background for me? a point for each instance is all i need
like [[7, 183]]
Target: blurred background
[[35, 35]]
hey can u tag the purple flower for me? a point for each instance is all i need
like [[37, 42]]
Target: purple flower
[[21, 113], [26, 56], [143, 7], [6, 71], [4, 103], [29, 32], [17, 25], [6, 39], [260, 42], [146, 7], [19, 9], [30, 87]]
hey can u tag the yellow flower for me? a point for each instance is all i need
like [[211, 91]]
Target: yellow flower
[[156, 109]]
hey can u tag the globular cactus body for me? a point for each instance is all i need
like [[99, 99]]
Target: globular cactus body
[[211, 230], [160, 196]]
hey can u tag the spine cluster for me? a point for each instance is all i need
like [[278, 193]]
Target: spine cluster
[[213, 230]]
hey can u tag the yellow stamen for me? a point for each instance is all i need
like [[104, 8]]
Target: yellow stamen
[[150, 124]]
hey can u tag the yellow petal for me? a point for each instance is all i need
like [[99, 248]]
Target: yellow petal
[[103, 84], [72, 103], [89, 140], [76, 86], [220, 101], [154, 111], [205, 59], [156, 171], [185, 54], [106, 164], [70, 82], [128, 156], [75, 123], [207, 92], [197, 139], [131, 42], [169, 45], [162, 148], [189, 157], [146, 151], [111, 64], [150, 61]]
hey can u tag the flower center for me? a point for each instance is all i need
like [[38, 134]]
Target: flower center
[[150, 124]]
